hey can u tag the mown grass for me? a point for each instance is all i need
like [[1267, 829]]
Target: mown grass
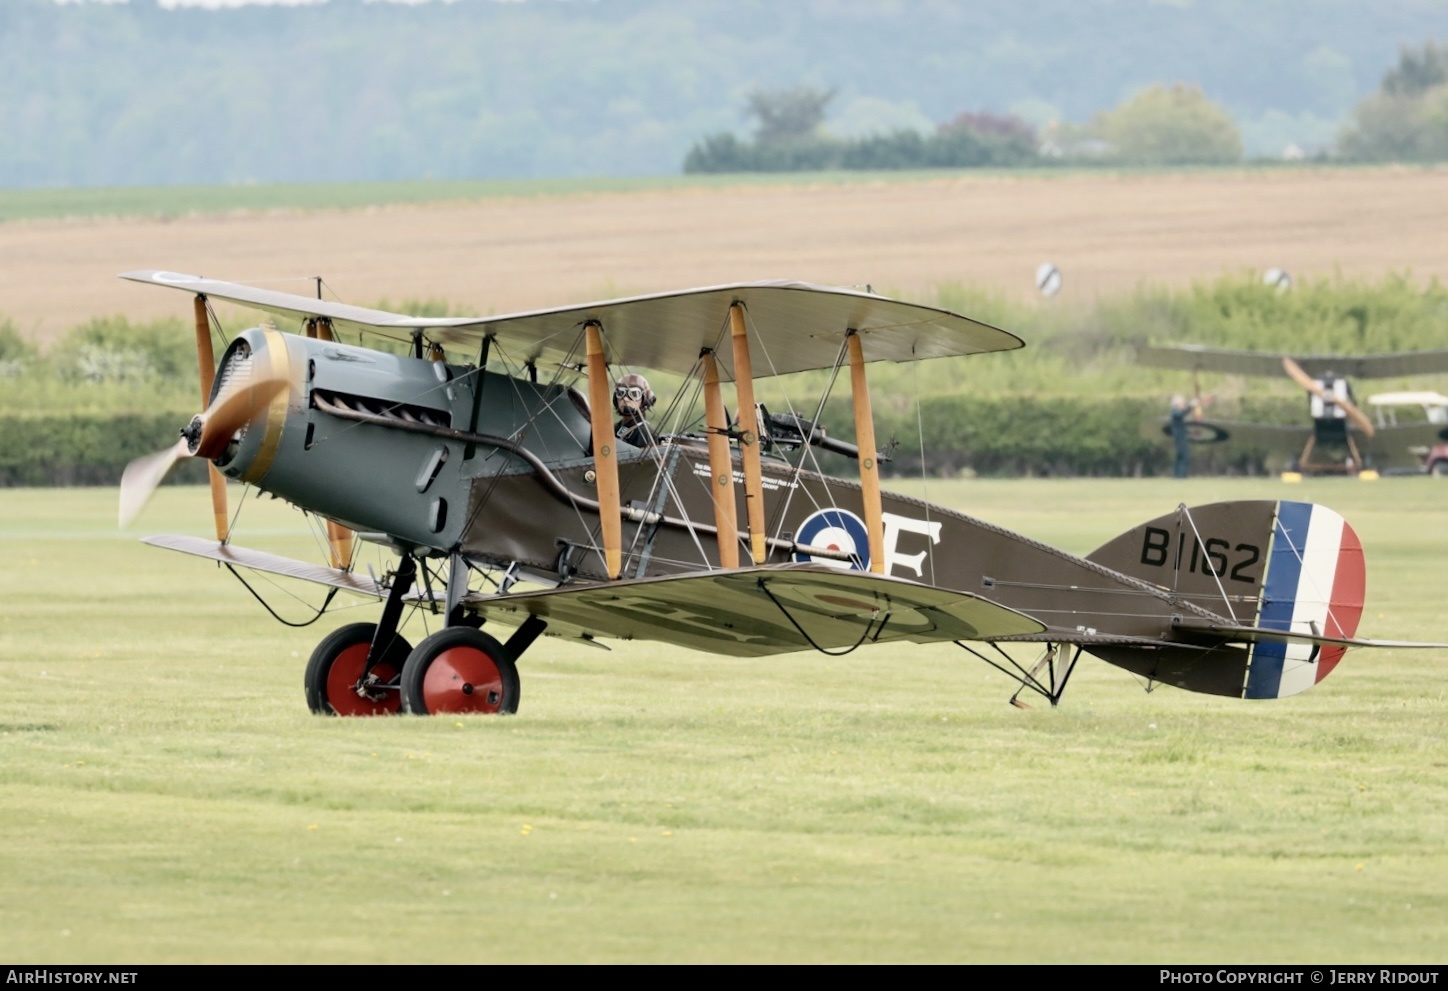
[[165, 795]]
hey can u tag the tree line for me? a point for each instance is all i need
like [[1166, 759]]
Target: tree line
[[1405, 119], [136, 93]]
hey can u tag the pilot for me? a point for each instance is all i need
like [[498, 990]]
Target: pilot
[[632, 400]]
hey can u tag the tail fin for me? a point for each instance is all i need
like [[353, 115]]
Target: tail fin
[[1283, 567]]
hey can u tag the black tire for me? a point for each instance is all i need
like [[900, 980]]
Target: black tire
[[457, 670], [1438, 468], [330, 685]]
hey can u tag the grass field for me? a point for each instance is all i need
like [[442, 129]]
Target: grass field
[[178, 201], [166, 796]]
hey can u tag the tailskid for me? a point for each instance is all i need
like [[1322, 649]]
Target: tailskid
[[1047, 677]]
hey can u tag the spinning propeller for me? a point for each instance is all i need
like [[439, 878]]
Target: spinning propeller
[[206, 436], [1312, 385]]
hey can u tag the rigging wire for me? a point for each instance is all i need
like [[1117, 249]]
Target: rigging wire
[[869, 625], [807, 450], [924, 481], [321, 610]]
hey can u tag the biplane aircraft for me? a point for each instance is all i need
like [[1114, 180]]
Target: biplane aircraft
[[1341, 438], [508, 503]]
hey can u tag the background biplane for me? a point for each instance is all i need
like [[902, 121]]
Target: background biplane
[[506, 501], [1434, 408], [1340, 438]]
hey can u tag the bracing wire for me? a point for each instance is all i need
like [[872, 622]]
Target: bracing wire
[[924, 480], [321, 610]]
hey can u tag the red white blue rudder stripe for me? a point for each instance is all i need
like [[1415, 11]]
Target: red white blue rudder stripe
[[1315, 583]]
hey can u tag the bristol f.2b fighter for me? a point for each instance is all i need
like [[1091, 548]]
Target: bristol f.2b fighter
[[509, 503], [1340, 438]]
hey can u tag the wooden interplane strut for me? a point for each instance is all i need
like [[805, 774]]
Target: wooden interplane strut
[[721, 466], [339, 538], [869, 461], [748, 420], [605, 450]]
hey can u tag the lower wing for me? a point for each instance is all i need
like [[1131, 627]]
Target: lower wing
[[745, 612]]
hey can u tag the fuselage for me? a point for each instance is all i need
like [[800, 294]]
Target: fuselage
[[442, 457]]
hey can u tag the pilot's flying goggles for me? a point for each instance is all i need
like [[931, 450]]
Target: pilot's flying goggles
[[628, 392]]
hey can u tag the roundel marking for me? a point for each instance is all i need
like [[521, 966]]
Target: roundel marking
[[836, 530], [1200, 433]]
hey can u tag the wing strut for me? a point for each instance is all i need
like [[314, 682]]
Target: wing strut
[[869, 466], [339, 538], [605, 457], [206, 362], [721, 466], [748, 433]]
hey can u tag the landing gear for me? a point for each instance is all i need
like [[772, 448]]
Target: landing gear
[[460, 669], [368, 669], [337, 682]]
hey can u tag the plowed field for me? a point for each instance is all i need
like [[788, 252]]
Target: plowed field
[[1106, 232]]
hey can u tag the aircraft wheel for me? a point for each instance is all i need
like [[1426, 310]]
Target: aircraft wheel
[[1438, 469], [460, 669], [336, 667]]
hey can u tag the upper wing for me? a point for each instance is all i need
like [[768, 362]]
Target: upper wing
[[1196, 357], [665, 331]]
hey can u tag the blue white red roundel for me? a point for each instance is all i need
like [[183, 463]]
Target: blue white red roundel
[[836, 530]]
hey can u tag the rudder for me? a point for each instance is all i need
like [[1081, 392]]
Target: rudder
[[1275, 565]]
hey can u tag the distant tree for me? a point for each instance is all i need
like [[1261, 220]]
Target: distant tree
[[1406, 119], [1417, 71], [984, 139], [1006, 127], [719, 153], [1170, 125], [902, 149], [787, 116]]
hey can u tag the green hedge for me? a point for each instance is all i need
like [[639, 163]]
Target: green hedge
[[85, 448], [1072, 435], [991, 435]]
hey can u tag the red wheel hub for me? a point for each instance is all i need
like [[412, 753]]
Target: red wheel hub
[[462, 679], [342, 680]]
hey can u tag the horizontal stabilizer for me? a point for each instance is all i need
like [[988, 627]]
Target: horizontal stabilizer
[[752, 612], [1259, 634]]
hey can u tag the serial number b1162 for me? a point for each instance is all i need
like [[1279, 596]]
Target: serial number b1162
[[1211, 556]]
